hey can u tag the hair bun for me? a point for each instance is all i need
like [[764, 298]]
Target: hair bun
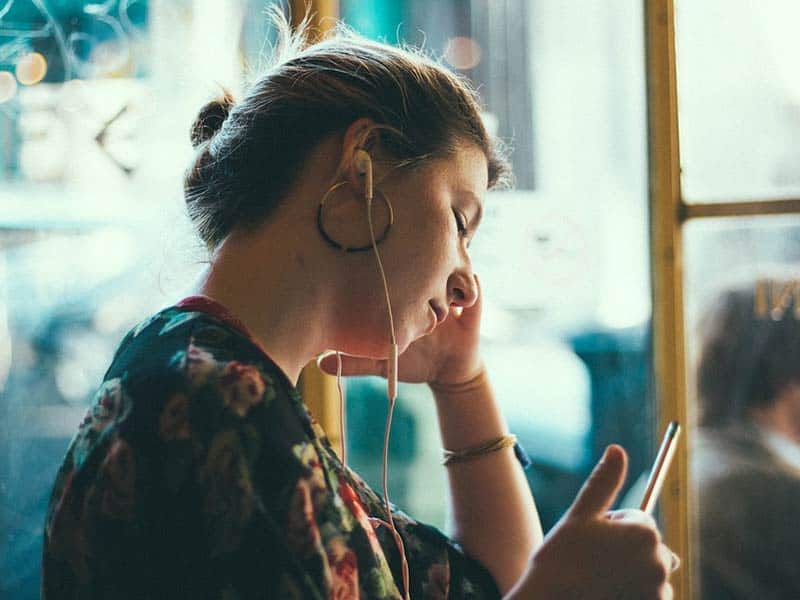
[[211, 117]]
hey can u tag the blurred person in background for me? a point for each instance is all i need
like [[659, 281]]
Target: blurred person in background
[[746, 461]]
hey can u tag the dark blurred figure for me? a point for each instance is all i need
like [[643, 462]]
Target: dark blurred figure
[[746, 461]]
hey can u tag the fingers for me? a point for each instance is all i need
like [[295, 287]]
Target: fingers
[[469, 316], [669, 558], [601, 488], [473, 313], [351, 365], [641, 519], [633, 515], [665, 557]]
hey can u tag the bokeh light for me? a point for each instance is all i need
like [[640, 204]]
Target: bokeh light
[[8, 86], [31, 68], [462, 52]]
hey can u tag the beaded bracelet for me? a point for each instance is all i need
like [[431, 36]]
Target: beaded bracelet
[[456, 456]]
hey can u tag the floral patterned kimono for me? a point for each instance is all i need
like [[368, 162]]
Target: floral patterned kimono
[[199, 473]]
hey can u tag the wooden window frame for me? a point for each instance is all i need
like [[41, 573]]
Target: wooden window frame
[[669, 213]]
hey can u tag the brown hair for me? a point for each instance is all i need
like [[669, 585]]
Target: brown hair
[[249, 153], [748, 356]]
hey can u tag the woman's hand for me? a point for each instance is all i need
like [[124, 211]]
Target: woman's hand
[[593, 553], [448, 355]]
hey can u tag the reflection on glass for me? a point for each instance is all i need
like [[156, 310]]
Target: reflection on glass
[[743, 311], [738, 99], [96, 100]]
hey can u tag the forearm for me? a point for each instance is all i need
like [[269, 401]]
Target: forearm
[[494, 514]]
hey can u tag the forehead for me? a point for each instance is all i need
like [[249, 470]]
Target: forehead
[[465, 171]]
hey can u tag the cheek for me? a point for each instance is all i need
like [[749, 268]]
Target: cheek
[[417, 254], [420, 261], [429, 240]]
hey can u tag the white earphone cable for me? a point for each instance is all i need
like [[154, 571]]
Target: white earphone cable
[[391, 373]]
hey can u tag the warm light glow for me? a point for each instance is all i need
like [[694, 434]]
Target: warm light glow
[[462, 52], [8, 86], [31, 68]]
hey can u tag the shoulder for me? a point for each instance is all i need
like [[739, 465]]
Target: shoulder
[[178, 348], [178, 374], [173, 329], [735, 474], [719, 453]]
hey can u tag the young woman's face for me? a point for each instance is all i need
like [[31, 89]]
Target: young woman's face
[[437, 209]]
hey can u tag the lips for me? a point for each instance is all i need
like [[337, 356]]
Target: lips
[[441, 313]]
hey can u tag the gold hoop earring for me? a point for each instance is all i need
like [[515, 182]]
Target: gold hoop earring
[[321, 208]]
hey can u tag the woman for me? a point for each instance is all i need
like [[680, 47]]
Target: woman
[[199, 473]]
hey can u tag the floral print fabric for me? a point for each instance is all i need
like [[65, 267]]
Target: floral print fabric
[[198, 473]]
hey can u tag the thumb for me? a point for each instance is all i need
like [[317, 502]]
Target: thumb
[[601, 488]]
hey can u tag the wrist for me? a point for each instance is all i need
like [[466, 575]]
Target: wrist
[[471, 379]]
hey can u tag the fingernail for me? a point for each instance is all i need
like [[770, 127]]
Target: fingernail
[[676, 562]]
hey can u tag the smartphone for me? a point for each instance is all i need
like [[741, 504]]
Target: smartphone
[[660, 467]]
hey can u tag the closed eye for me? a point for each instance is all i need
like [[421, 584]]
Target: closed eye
[[462, 225]]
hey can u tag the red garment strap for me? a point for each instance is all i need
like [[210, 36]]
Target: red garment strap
[[219, 311], [211, 307]]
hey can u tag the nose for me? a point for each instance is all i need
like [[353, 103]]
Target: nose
[[462, 290]]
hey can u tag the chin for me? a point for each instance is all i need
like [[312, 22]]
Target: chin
[[373, 342], [365, 349], [405, 339]]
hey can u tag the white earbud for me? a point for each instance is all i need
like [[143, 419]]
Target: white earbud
[[364, 166]]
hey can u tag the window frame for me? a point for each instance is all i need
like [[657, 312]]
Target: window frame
[[669, 214]]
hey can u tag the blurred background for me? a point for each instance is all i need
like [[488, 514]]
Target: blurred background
[[96, 101]]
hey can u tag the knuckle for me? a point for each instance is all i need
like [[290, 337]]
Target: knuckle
[[649, 521], [664, 565], [621, 514], [661, 571], [656, 573], [647, 536], [666, 592]]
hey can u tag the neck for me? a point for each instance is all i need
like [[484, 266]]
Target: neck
[[280, 301]]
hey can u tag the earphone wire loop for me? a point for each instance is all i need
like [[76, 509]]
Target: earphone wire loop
[[342, 415]]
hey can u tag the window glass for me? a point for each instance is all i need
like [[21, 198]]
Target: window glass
[[563, 259], [96, 102], [738, 99], [743, 338]]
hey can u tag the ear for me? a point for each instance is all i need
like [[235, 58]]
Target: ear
[[359, 135]]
